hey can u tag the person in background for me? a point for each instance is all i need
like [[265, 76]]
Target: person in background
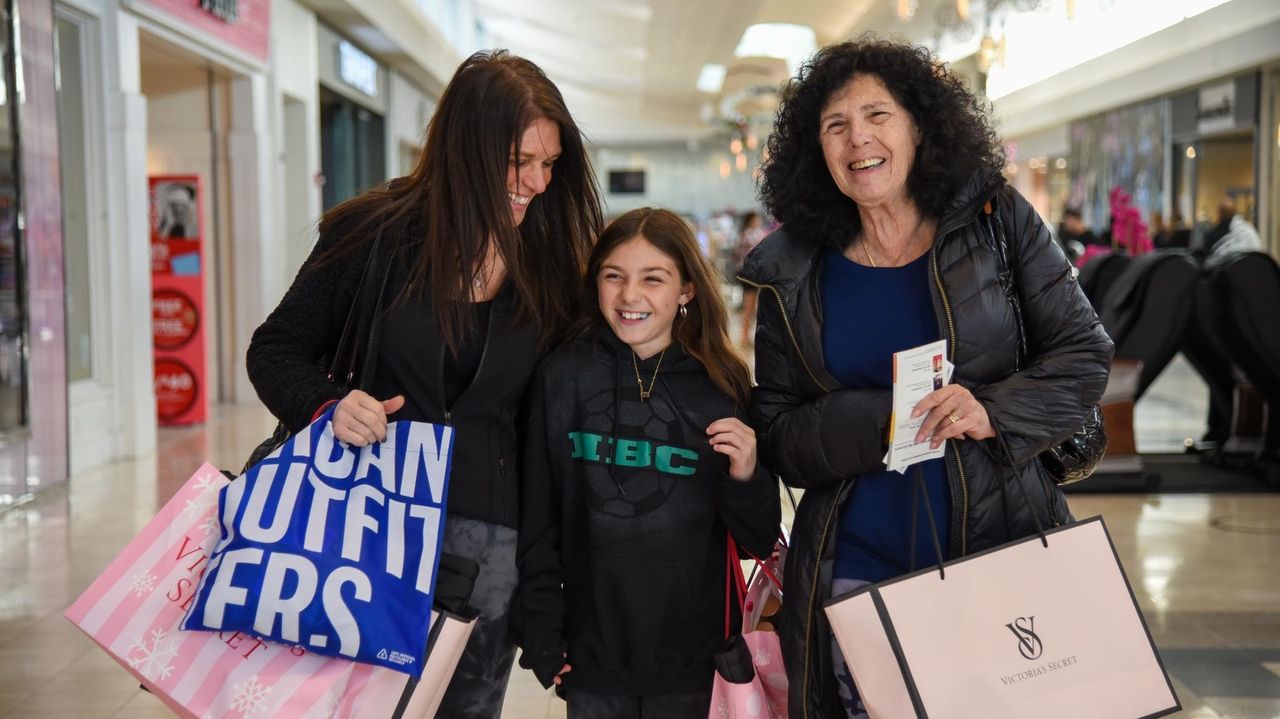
[[884, 172], [1232, 235], [638, 462], [750, 232], [479, 241], [1074, 229]]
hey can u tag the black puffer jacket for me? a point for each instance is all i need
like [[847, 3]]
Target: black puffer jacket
[[819, 436]]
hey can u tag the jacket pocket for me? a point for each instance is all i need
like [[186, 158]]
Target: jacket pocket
[[644, 613]]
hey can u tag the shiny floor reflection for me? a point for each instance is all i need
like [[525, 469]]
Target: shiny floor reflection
[[1205, 569]]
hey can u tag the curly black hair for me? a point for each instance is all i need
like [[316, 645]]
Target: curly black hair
[[956, 137]]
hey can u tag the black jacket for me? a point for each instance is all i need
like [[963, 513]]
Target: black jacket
[[284, 365], [820, 436], [622, 562]]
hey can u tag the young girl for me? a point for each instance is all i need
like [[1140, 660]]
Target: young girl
[[637, 462]]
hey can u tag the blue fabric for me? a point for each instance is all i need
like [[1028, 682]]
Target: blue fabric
[[868, 314], [333, 548]]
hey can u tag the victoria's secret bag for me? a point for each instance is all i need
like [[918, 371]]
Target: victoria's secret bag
[[1077, 457], [346, 360]]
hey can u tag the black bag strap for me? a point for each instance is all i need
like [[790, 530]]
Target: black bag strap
[[361, 322]]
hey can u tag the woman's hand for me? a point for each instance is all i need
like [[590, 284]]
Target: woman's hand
[[730, 436], [359, 419], [953, 412], [563, 671]]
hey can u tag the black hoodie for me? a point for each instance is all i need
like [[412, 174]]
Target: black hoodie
[[622, 552]]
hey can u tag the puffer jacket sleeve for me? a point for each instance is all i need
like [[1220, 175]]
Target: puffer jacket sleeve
[[1069, 353], [285, 353], [811, 442]]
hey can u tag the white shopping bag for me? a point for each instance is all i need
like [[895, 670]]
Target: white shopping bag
[[1021, 630]]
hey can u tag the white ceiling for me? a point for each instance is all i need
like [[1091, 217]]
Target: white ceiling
[[628, 68]]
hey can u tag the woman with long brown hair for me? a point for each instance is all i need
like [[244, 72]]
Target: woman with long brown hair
[[638, 464], [457, 270]]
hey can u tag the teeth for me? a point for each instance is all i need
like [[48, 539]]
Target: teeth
[[864, 164], [634, 315], [518, 199]]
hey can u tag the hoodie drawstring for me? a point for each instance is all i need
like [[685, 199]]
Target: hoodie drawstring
[[617, 417]]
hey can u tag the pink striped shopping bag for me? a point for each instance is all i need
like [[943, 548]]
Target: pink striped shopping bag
[[133, 610]]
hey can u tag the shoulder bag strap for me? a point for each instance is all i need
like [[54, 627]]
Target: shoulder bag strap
[[359, 323]]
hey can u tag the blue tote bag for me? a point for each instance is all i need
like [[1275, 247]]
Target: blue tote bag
[[333, 548]]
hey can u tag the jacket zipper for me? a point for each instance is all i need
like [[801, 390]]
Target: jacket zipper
[[813, 594], [786, 321], [952, 451]]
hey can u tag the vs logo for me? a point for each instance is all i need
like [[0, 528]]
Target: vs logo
[[1029, 645]]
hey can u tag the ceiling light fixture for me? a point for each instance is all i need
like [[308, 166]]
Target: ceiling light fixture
[[793, 43], [711, 78]]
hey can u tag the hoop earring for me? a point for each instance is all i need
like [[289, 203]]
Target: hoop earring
[[684, 311]]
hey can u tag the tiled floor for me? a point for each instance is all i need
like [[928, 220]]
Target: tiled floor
[[1205, 569]]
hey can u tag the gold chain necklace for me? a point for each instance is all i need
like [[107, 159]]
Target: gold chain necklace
[[915, 236], [644, 393]]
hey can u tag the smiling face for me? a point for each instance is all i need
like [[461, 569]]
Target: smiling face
[[869, 142], [529, 173], [640, 290]]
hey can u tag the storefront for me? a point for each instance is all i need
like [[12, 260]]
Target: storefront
[[165, 135], [33, 351], [1216, 149], [353, 108]]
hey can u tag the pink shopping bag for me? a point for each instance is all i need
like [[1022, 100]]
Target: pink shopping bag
[[765, 695], [133, 609], [1021, 630]]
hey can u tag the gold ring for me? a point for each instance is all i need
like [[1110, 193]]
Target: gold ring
[[953, 419]]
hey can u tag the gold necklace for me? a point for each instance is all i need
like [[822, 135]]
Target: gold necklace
[[644, 393], [915, 236]]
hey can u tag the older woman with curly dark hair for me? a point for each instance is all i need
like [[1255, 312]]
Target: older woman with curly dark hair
[[899, 230]]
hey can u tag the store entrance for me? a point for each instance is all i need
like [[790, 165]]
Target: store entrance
[[352, 147], [1208, 170], [189, 110]]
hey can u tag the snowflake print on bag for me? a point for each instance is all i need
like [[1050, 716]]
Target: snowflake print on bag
[[328, 705], [762, 657], [157, 658], [250, 696], [210, 525], [142, 584], [206, 500]]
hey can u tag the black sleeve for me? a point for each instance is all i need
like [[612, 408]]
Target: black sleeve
[[537, 614], [1069, 353], [811, 442], [751, 510], [285, 354]]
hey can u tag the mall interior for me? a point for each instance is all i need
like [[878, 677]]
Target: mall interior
[[227, 127]]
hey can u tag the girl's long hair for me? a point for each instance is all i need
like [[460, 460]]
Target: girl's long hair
[[441, 216], [704, 333]]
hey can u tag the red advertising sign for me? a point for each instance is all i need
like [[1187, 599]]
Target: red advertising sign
[[177, 298], [243, 24]]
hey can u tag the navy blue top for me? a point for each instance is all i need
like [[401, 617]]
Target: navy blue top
[[868, 314]]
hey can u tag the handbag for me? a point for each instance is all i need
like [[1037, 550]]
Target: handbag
[[1078, 456], [345, 360], [750, 680], [132, 611], [1045, 626]]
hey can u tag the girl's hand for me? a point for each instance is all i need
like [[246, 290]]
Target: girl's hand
[[730, 436], [563, 671], [359, 419], [953, 413]]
